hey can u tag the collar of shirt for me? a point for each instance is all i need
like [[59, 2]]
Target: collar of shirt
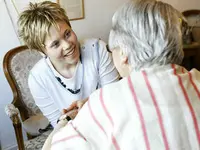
[[72, 83]]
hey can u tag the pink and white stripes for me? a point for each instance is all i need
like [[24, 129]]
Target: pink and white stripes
[[152, 104]]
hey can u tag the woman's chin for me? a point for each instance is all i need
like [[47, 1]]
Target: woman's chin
[[74, 60]]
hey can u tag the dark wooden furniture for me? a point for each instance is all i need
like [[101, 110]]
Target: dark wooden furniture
[[191, 56]]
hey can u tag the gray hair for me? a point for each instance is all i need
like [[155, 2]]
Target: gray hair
[[148, 32]]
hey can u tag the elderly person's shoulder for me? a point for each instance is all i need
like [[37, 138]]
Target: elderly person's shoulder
[[195, 74], [111, 90]]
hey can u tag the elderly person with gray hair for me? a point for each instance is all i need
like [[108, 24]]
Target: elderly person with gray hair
[[157, 103]]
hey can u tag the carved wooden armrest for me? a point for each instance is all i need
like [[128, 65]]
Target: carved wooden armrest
[[13, 113]]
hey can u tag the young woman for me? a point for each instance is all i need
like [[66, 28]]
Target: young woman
[[71, 70]]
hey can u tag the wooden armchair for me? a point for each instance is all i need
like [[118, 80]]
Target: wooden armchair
[[16, 64]]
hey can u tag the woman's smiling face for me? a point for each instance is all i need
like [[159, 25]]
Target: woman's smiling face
[[61, 45]]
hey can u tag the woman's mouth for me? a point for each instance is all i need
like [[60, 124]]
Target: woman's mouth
[[70, 52]]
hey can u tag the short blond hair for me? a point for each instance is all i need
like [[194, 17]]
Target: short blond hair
[[34, 23]]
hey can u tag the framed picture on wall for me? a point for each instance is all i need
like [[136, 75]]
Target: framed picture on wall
[[74, 8]]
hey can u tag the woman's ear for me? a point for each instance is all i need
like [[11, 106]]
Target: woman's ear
[[125, 68], [123, 58]]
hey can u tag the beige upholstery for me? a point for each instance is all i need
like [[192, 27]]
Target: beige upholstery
[[38, 142], [17, 63], [22, 62]]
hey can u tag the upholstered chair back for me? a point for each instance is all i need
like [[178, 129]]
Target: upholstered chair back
[[23, 111], [19, 62]]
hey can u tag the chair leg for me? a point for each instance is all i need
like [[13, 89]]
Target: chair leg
[[19, 136]]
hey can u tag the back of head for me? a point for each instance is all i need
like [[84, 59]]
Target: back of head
[[35, 21], [149, 32]]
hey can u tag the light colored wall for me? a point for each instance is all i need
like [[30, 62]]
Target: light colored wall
[[97, 23], [8, 40], [98, 18]]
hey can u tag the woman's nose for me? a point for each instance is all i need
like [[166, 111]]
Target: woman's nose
[[66, 45]]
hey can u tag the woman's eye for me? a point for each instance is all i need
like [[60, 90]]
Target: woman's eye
[[56, 44], [67, 34]]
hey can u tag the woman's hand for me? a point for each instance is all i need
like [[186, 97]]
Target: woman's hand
[[70, 115], [72, 111], [75, 105]]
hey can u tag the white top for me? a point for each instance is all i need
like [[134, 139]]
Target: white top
[[95, 70], [154, 109]]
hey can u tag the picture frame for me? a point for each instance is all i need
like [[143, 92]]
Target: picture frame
[[74, 8]]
